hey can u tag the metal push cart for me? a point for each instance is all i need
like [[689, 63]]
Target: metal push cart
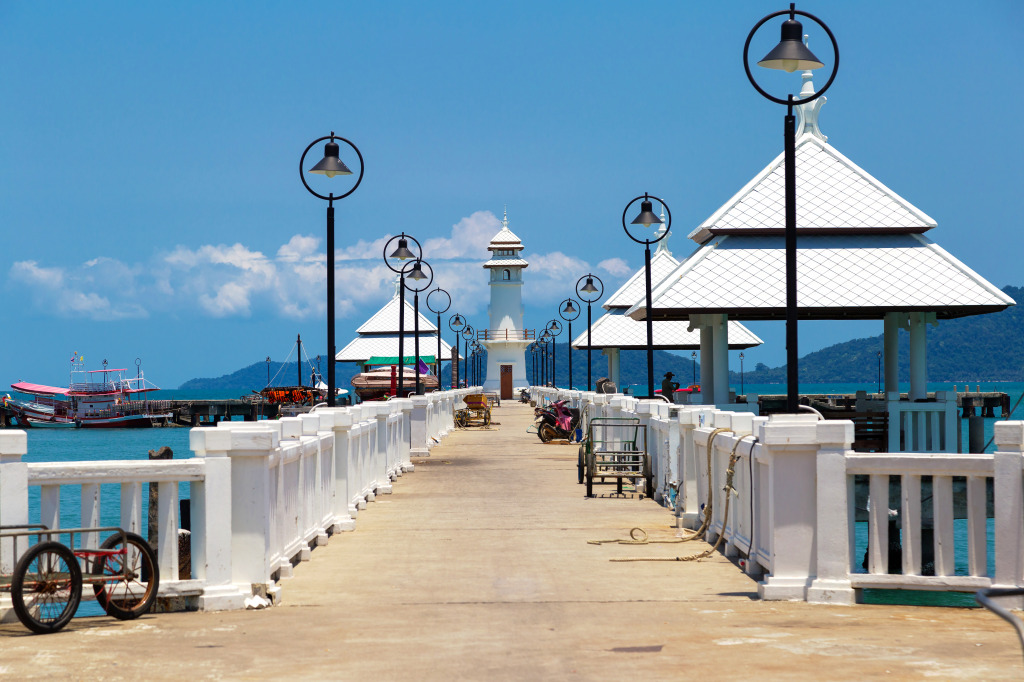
[[46, 585], [615, 448]]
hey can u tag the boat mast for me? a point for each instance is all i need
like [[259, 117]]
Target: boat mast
[[298, 360]]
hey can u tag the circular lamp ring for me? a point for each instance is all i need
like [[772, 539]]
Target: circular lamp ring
[[599, 293], [443, 310], [551, 331], [561, 312], [331, 196], [668, 221], [419, 248], [790, 100], [430, 280], [468, 332]]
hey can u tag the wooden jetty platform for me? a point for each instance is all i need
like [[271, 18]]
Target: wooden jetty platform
[[477, 566], [971, 404]]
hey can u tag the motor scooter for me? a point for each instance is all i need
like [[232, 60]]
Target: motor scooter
[[556, 421]]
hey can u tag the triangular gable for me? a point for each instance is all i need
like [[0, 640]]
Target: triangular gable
[[385, 320], [833, 195], [635, 288], [505, 239]]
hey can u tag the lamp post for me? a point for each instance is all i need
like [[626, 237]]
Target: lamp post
[[646, 217], [590, 293], [401, 254], [569, 313], [468, 334], [545, 339], [437, 358], [533, 368], [417, 275], [693, 355], [331, 165], [879, 372], [790, 55], [455, 323], [741, 374], [554, 329], [268, 370]]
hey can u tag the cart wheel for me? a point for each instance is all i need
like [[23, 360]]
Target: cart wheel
[[487, 418], [580, 466], [546, 432], [46, 587], [460, 419], [127, 594]]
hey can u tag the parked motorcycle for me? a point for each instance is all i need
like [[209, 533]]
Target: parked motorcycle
[[556, 421], [524, 396]]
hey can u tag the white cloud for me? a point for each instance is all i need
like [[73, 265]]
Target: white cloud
[[63, 291], [469, 239], [616, 267]]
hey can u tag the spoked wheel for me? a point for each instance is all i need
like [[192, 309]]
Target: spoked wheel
[[126, 594], [46, 587], [581, 463], [546, 432], [460, 419]]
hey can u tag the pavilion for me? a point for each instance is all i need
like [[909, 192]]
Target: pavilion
[[862, 255]]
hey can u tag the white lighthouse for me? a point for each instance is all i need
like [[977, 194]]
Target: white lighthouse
[[505, 339]]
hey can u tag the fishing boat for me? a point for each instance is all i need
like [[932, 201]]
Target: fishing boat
[[378, 384], [101, 398], [300, 393]]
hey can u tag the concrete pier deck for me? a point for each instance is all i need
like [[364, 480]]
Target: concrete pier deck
[[477, 567]]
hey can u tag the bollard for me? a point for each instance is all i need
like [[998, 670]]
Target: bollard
[[976, 434]]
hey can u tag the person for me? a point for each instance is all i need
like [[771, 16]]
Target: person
[[668, 387]]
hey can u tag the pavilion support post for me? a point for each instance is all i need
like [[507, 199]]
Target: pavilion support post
[[707, 365], [918, 357], [891, 352], [613, 366], [720, 339]]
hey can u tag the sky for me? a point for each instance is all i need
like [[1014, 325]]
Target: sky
[[150, 205]]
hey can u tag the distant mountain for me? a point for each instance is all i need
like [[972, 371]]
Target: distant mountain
[[976, 348]]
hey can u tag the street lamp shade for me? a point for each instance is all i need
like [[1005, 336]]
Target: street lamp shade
[[569, 309], [403, 252], [791, 54], [554, 326], [646, 217], [589, 286], [331, 164], [417, 271], [457, 323]]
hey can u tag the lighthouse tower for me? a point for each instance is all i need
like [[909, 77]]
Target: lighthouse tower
[[505, 339]]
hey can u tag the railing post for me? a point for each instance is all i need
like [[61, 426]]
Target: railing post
[[380, 450], [416, 418], [895, 420], [212, 508], [1009, 496], [314, 521], [13, 504], [344, 508], [790, 443], [835, 505]]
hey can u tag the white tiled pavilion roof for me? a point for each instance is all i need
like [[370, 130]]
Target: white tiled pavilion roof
[[833, 194], [838, 276], [614, 330], [635, 288], [505, 239], [363, 348], [385, 320]]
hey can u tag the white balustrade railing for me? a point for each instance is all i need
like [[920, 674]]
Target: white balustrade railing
[[797, 490], [262, 494]]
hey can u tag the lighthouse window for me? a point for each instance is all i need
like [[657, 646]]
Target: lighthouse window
[[506, 274]]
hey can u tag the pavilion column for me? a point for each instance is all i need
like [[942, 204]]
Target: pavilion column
[[891, 348], [707, 365], [918, 357], [613, 366], [720, 365]]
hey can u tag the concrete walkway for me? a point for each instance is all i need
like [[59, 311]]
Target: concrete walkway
[[477, 567]]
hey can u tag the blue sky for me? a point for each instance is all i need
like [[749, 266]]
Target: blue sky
[[151, 207]]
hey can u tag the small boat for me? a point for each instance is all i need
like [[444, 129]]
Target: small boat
[[299, 394], [382, 382], [100, 398]]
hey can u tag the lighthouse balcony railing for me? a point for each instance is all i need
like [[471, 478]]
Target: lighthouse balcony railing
[[506, 335]]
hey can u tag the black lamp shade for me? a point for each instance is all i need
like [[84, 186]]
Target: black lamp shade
[[554, 326], [569, 309], [646, 217], [403, 252], [331, 164], [417, 272], [589, 286], [458, 321], [791, 54]]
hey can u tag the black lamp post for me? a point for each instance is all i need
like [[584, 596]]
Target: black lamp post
[[455, 323], [331, 165], [544, 339], [401, 254], [424, 280], [439, 291], [569, 312], [468, 334], [879, 372], [590, 293], [646, 217], [533, 368], [742, 392], [554, 329], [693, 355], [790, 55]]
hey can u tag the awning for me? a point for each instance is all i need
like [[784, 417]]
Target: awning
[[393, 360]]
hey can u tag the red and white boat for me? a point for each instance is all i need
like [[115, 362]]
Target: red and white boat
[[100, 398]]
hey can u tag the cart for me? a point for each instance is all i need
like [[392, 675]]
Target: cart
[[477, 411], [46, 586], [615, 449]]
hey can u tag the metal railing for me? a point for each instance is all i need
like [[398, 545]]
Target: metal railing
[[506, 335]]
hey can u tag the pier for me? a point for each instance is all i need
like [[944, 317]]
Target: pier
[[475, 563]]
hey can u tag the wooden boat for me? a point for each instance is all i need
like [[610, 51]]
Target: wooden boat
[[382, 382]]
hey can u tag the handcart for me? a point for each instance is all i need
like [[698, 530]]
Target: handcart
[[46, 586], [477, 411], [615, 448]]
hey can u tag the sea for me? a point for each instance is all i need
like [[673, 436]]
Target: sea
[[69, 445]]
